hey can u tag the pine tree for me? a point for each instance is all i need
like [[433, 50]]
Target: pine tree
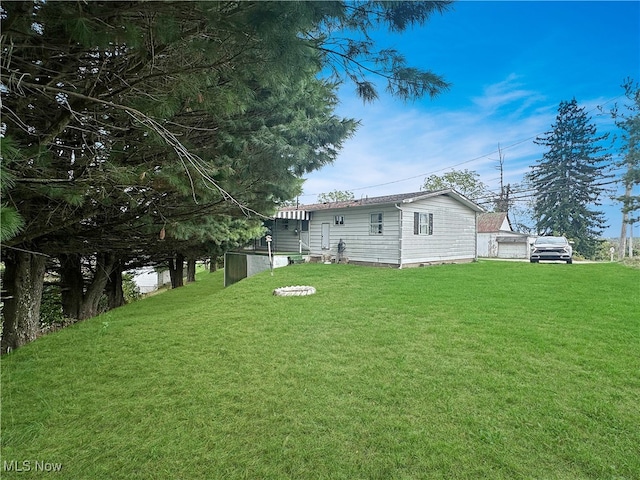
[[568, 180], [629, 123], [131, 118]]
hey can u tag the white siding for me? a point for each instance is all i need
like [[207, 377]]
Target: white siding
[[503, 245], [148, 280], [361, 246], [285, 238], [505, 227], [487, 245], [454, 232]]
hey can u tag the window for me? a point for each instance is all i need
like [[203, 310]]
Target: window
[[422, 223], [339, 220], [304, 225], [376, 224]]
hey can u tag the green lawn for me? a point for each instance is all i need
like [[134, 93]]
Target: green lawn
[[485, 370]]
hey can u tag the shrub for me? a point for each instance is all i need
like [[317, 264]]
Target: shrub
[[51, 307], [130, 290]]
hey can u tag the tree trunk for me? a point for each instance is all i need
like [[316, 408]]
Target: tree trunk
[[90, 302], [114, 287], [71, 285], [625, 219], [172, 271], [623, 237], [76, 302], [191, 270], [179, 270], [213, 265], [176, 270], [23, 281]]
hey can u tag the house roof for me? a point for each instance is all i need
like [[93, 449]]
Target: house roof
[[492, 222], [384, 200]]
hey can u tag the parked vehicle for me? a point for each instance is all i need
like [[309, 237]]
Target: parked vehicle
[[551, 248]]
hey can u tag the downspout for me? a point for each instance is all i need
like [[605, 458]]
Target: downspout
[[399, 235], [475, 247]]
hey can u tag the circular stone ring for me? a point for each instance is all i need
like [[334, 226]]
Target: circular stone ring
[[294, 291]]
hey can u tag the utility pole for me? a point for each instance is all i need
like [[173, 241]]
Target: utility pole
[[502, 204], [501, 167]]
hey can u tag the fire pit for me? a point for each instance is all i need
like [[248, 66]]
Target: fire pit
[[294, 291]]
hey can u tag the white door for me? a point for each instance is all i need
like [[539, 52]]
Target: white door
[[324, 239]]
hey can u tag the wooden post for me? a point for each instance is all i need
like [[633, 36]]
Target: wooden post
[[270, 258]]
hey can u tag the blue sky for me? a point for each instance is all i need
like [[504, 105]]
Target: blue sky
[[510, 63]]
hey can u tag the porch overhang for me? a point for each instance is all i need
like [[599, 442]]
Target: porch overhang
[[293, 215]]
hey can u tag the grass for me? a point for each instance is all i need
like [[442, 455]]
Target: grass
[[487, 370]]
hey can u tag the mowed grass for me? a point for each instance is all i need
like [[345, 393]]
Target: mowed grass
[[488, 370]]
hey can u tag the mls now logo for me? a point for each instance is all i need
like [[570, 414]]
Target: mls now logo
[[30, 466]]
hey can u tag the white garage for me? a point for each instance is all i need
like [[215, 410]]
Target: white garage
[[496, 239]]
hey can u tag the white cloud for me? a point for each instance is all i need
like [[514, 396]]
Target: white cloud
[[398, 145], [507, 93], [403, 144]]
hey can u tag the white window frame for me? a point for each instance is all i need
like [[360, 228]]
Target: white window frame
[[426, 224], [338, 220], [422, 223], [376, 224]]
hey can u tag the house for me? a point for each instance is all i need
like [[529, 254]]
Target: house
[[404, 230], [496, 238], [148, 279]]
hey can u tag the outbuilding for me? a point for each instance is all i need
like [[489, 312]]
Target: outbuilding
[[496, 238]]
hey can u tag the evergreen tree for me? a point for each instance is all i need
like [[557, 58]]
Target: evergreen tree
[[348, 50], [131, 118], [629, 123], [568, 180]]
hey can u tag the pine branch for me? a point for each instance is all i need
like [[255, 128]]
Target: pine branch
[[183, 153]]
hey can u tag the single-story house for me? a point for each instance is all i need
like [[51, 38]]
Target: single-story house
[[148, 279], [405, 230], [496, 238]]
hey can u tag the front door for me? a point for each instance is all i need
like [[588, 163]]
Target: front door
[[324, 239]]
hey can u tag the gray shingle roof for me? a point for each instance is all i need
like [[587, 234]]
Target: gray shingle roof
[[383, 200], [358, 202]]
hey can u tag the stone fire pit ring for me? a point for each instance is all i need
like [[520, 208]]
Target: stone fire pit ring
[[294, 291]]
